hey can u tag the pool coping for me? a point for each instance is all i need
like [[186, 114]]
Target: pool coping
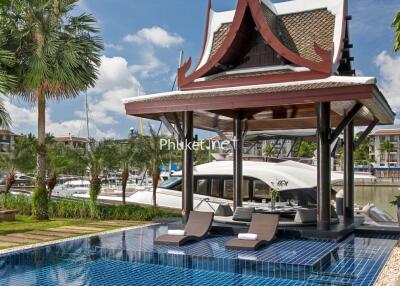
[[47, 243], [388, 274]]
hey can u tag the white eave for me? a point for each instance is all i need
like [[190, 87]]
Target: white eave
[[339, 79], [215, 21]]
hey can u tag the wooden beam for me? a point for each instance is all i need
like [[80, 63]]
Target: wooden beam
[[346, 120], [366, 133]]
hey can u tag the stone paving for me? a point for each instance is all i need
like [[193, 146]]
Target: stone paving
[[38, 236], [390, 274]]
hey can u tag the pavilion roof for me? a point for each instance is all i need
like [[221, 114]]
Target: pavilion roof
[[269, 106], [269, 64], [301, 39]]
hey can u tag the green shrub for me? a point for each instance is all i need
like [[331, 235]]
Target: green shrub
[[19, 202], [82, 209]]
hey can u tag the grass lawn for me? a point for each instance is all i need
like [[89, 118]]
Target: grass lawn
[[27, 223]]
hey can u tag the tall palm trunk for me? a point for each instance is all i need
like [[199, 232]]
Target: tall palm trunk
[[9, 182], [125, 176], [51, 184], [155, 174], [40, 198], [94, 191]]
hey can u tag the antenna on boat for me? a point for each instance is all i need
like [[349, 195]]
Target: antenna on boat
[[87, 115]]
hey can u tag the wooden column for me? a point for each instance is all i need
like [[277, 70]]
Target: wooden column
[[187, 194], [324, 166], [348, 199], [237, 162]]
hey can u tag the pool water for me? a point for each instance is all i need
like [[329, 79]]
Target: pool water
[[131, 258]]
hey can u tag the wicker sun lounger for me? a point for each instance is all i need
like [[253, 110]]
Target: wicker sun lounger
[[197, 228], [264, 225]]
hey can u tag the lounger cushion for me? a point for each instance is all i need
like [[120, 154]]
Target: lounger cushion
[[224, 210], [306, 216], [176, 232], [243, 214], [247, 236]]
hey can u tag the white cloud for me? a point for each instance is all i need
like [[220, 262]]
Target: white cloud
[[389, 69], [115, 82], [156, 36], [110, 46], [20, 115], [114, 74], [64, 128], [151, 65]]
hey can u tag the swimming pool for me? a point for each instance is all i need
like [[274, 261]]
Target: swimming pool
[[130, 258]]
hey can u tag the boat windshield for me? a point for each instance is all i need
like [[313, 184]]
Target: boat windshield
[[170, 183]]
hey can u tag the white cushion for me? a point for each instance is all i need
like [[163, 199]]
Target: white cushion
[[247, 236], [306, 216], [176, 232]]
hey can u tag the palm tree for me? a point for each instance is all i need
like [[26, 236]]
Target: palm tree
[[386, 147], [7, 81], [396, 25], [18, 159], [152, 155], [57, 57], [60, 159], [125, 161], [94, 159]]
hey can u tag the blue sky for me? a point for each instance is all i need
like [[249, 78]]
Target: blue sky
[[143, 39]]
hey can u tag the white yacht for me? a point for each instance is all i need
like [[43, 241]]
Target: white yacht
[[70, 188], [213, 185]]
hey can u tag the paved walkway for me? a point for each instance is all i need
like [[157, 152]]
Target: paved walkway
[[37, 236]]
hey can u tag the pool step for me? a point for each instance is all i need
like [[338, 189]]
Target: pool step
[[332, 278]]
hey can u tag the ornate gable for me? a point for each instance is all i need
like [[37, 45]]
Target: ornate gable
[[260, 37]]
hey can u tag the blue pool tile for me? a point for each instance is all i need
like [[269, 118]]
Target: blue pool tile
[[131, 258]]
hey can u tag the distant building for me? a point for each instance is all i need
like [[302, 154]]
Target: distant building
[[7, 141], [382, 158], [73, 141]]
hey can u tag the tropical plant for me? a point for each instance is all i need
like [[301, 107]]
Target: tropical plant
[[269, 150], [81, 209], [153, 156], [396, 26], [202, 154], [361, 153], [93, 159], [126, 160], [396, 201], [386, 147], [7, 81], [18, 159], [57, 57], [305, 149], [61, 159], [277, 186]]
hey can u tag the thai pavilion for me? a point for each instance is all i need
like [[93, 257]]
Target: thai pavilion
[[266, 66]]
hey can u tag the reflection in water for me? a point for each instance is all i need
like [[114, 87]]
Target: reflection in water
[[379, 195]]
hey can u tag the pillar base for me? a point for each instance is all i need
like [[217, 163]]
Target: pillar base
[[323, 225]]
